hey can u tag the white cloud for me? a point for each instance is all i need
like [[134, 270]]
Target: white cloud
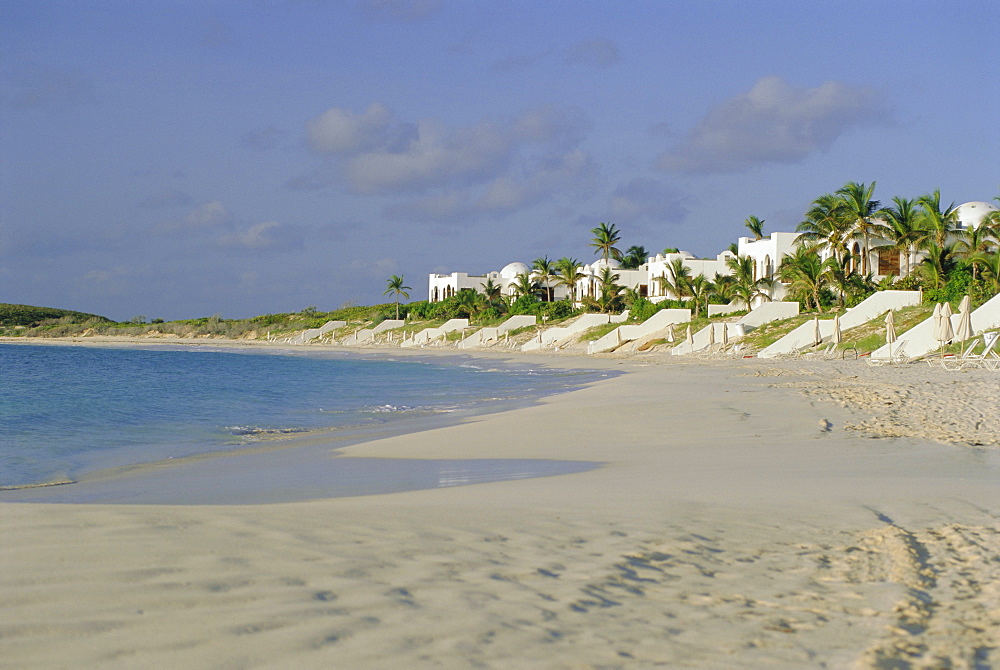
[[207, 215], [451, 173], [509, 192], [255, 237], [265, 235], [380, 267], [504, 194], [426, 154], [448, 207], [115, 281], [204, 218], [774, 122], [340, 131], [434, 158]]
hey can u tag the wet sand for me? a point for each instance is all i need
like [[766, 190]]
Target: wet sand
[[748, 514]]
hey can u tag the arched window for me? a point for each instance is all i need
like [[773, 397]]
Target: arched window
[[768, 270]]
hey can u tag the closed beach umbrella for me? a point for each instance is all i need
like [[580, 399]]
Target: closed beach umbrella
[[711, 334], [670, 333], [837, 336], [947, 332], [936, 315], [964, 329], [690, 337], [890, 331], [817, 335], [725, 335]]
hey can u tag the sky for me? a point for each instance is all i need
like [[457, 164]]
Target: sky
[[183, 158]]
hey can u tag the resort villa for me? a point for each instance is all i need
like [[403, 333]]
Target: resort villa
[[766, 253]]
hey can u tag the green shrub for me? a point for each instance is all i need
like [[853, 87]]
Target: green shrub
[[28, 315], [597, 332]]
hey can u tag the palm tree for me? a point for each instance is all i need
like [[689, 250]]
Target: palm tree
[[990, 265], [395, 286], [745, 287], [723, 288], [937, 264], [469, 302], [679, 281], [843, 277], [544, 271], [859, 209], [568, 274], [937, 223], [991, 222], [902, 228], [609, 291], [631, 297], [805, 274], [755, 226], [973, 244], [606, 236], [524, 285], [634, 257], [699, 288], [492, 291], [825, 226]]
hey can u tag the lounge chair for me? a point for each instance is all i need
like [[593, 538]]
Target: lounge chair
[[898, 356], [987, 358]]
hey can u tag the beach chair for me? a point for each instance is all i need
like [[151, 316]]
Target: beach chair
[[987, 358], [898, 356], [827, 351]]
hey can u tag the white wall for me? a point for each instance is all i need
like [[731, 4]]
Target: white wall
[[919, 340], [872, 307], [654, 324]]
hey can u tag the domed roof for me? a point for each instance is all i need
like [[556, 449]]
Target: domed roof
[[512, 270], [971, 213], [600, 263]]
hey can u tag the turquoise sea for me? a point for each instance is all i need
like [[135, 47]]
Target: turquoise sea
[[67, 412]]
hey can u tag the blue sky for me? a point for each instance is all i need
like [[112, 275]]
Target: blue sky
[[185, 158]]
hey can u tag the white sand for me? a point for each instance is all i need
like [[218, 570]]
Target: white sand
[[746, 517]]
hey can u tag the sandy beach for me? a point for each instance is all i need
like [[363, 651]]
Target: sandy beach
[[749, 513]]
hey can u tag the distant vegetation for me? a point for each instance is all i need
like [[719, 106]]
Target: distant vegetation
[[30, 321], [27, 315]]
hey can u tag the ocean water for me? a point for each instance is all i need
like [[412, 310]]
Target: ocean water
[[66, 411]]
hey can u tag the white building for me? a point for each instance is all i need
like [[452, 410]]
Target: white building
[[971, 214], [441, 287], [884, 260], [766, 253], [658, 268], [590, 285]]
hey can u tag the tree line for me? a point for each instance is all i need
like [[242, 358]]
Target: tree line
[[830, 265]]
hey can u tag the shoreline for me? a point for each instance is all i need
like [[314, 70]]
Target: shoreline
[[745, 517], [198, 478]]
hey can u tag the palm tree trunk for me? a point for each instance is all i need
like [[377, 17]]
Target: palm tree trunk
[[864, 254]]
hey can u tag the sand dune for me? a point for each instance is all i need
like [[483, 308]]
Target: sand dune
[[748, 515]]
